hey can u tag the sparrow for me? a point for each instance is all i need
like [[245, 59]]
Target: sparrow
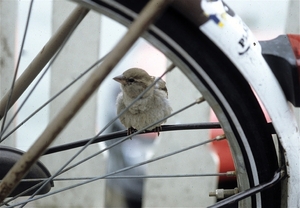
[[151, 107]]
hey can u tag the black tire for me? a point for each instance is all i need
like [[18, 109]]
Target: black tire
[[226, 85]]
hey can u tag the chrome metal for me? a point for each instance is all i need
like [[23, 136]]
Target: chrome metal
[[224, 193]]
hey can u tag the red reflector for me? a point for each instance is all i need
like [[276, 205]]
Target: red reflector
[[295, 43]]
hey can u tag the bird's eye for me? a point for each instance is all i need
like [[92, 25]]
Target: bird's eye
[[130, 80]]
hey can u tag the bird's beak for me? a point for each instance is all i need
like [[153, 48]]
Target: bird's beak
[[120, 79]]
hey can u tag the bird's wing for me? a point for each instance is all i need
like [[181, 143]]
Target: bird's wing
[[120, 104], [161, 85]]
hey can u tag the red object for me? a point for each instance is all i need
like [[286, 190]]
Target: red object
[[222, 150], [295, 43]]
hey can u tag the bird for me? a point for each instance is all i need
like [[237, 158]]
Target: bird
[[150, 108]]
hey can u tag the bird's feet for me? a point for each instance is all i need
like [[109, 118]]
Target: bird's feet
[[130, 131], [158, 129]]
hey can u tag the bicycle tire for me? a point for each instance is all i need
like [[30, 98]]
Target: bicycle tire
[[230, 84]]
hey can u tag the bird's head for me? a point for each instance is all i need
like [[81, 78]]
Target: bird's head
[[134, 81]]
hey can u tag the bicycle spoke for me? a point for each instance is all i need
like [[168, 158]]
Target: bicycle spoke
[[227, 174], [22, 193], [9, 100]]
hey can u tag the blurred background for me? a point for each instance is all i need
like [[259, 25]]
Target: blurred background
[[266, 18]]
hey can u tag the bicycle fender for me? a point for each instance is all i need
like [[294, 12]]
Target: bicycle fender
[[237, 42]]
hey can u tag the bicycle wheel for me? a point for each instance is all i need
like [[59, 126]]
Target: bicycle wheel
[[225, 77], [222, 86]]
